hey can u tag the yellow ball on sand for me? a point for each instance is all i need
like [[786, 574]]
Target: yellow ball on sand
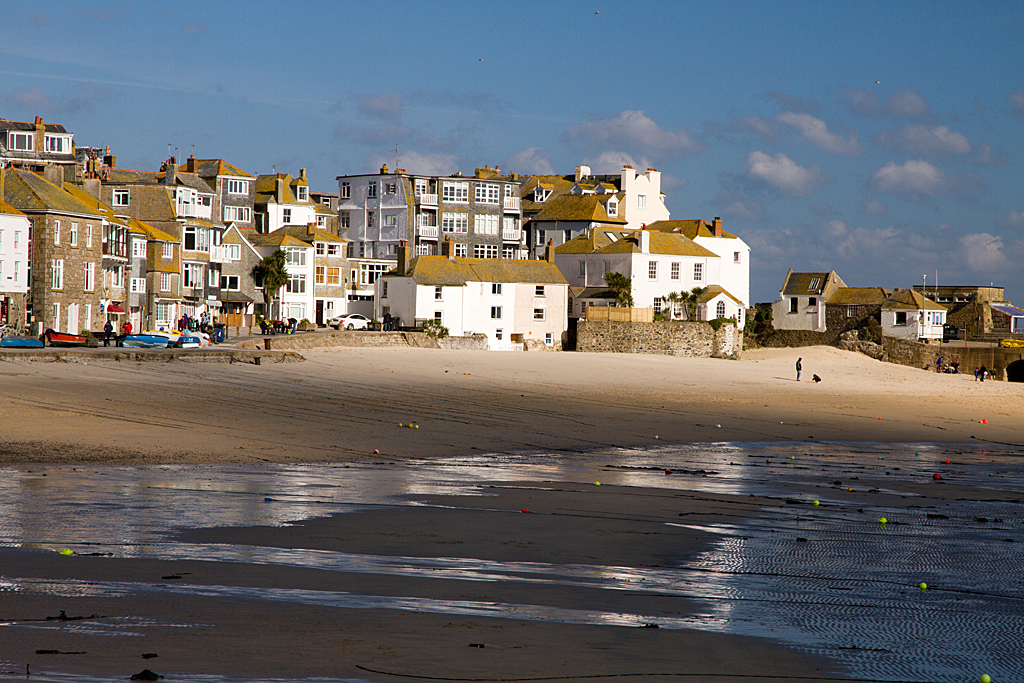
[[67, 552], [597, 483], [883, 520], [923, 586], [817, 503], [985, 678]]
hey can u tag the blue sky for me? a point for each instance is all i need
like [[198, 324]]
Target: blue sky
[[883, 140]]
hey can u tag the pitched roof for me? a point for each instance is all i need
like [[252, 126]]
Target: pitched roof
[[214, 167], [152, 233], [808, 283], [558, 185], [7, 208], [711, 291], [661, 243], [266, 189], [848, 296], [301, 232], [575, 207], [27, 191], [24, 125], [457, 271], [100, 207], [908, 299], [276, 239], [692, 228]]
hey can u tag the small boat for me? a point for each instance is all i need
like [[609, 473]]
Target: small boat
[[146, 341], [53, 338], [21, 343], [189, 341]]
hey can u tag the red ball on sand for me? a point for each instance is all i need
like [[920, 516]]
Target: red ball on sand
[[947, 462], [668, 471], [936, 476], [768, 460]]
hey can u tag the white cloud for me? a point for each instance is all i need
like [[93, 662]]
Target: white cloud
[[903, 103], [865, 242], [984, 252], [612, 162], [419, 164], [918, 177], [924, 141], [1016, 101], [873, 207], [765, 128], [634, 131], [816, 131], [532, 161], [782, 174], [990, 157]]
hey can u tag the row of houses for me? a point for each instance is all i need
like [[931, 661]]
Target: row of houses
[[821, 302]]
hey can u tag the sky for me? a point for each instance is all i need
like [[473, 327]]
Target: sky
[[882, 140]]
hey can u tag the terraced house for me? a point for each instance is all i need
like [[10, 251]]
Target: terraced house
[[34, 146], [330, 271], [66, 253], [282, 200], [14, 258]]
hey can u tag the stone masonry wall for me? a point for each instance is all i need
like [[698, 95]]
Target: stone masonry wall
[[694, 339]]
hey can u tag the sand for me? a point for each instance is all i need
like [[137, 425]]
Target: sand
[[348, 404]]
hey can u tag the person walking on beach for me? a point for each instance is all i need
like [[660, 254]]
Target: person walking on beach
[[799, 367], [982, 373], [108, 330]]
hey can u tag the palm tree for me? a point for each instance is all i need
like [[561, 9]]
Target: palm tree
[[673, 299], [622, 286], [691, 302], [271, 272]]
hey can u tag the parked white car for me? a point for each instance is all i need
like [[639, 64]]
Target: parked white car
[[350, 321]]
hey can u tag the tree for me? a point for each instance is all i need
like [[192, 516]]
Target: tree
[[622, 286], [691, 302], [271, 272], [673, 299]]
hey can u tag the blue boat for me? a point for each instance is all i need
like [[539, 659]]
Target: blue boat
[[189, 341], [21, 343], [146, 341]]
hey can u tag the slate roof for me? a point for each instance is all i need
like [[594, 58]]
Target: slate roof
[[848, 296], [266, 186], [23, 125], [98, 206], [208, 168], [301, 232], [797, 284], [908, 299], [661, 243], [574, 207], [276, 239], [1007, 309], [691, 228], [440, 271], [593, 293], [7, 208], [711, 291], [152, 232], [28, 192], [558, 185]]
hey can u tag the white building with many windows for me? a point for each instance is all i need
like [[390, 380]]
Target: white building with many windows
[[511, 301], [296, 299], [658, 264], [909, 315], [14, 260]]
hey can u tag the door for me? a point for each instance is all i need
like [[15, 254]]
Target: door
[[72, 318], [234, 315], [320, 312]]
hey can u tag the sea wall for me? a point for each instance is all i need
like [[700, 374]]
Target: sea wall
[[693, 339]]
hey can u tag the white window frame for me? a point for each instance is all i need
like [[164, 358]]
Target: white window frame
[[138, 285], [496, 288], [320, 275], [165, 282], [295, 256], [495, 312], [21, 142], [487, 193], [56, 233], [89, 283], [371, 189], [74, 234], [641, 201], [652, 270], [461, 249], [192, 276], [720, 309], [698, 272], [235, 252], [457, 223], [296, 283], [346, 190], [122, 197], [539, 313], [438, 293], [486, 224], [674, 271], [238, 186], [455, 192], [167, 251], [57, 274]]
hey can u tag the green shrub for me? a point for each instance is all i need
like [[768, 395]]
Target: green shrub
[[435, 329]]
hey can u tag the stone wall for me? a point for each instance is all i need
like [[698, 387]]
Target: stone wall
[[363, 340], [918, 355], [475, 342], [695, 339], [778, 339]]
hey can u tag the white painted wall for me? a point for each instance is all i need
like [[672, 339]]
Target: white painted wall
[[807, 317], [920, 324], [733, 275], [14, 230], [648, 185]]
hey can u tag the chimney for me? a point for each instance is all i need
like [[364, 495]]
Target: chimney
[[92, 186], [582, 172], [645, 239], [110, 160], [302, 174], [40, 134], [170, 171], [403, 258], [716, 226], [549, 252], [278, 189], [383, 169], [310, 229], [447, 250], [54, 174]]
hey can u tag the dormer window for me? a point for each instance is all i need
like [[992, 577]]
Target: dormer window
[[613, 209], [20, 142], [58, 144], [302, 192], [813, 287], [541, 195]]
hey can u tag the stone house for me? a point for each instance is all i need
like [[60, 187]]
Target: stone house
[[802, 297], [569, 216], [977, 311], [234, 191], [326, 211], [330, 270], [238, 293], [66, 254], [511, 301], [854, 308], [282, 200]]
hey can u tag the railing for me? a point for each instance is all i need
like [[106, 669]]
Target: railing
[[511, 234], [511, 203], [427, 199], [429, 231], [220, 253]]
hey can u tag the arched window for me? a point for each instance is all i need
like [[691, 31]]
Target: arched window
[[720, 311]]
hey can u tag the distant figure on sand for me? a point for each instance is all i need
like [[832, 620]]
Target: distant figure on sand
[[799, 367], [815, 379], [982, 373]]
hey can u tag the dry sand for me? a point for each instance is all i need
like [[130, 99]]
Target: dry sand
[[345, 404]]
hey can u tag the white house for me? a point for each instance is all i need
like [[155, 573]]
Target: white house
[[734, 267], [510, 300], [14, 260], [801, 304], [658, 263], [908, 315], [296, 299], [282, 200]]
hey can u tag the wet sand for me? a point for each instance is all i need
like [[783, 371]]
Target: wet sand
[[343, 405]]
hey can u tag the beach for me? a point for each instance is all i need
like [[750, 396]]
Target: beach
[[536, 522], [351, 404]]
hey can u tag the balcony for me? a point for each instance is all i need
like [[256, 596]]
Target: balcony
[[511, 234], [427, 231], [220, 253], [426, 199], [511, 203]]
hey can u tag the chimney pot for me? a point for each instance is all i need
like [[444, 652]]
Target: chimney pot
[[717, 226], [549, 251]]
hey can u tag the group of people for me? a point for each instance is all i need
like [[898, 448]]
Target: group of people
[[108, 330], [980, 374], [947, 368]]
